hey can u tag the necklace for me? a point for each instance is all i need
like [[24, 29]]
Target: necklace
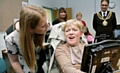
[[104, 19]]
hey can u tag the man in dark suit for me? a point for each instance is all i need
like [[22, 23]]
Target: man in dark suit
[[104, 22]]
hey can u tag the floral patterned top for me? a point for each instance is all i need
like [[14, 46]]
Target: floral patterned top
[[13, 47]]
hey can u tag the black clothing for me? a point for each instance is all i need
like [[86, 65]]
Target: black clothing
[[104, 32], [42, 59], [56, 21]]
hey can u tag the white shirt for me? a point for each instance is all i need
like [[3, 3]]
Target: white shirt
[[103, 13]]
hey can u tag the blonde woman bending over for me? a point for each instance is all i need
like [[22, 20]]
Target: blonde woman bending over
[[22, 41]]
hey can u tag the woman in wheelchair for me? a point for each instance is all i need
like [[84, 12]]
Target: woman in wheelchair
[[69, 55]]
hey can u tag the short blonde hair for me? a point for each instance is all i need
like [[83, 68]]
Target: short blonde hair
[[79, 14], [73, 22]]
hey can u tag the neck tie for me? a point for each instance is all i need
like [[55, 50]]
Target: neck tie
[[104, 15]]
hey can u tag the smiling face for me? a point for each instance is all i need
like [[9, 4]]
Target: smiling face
[[104, 6], [72, 34], [62, 14]]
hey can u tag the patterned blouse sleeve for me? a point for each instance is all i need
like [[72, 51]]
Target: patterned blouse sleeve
[[10, 45]]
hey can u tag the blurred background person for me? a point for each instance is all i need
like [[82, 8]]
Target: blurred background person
[[104, 22], [89, 37], [62, 16], [79, 17]]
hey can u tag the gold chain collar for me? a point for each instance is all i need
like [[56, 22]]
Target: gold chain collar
[[104, 19]]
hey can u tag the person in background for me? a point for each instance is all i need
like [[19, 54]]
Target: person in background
[[62, 16], [79, 17], [104, 22], [69, 55], [89, 37], [24, 43]]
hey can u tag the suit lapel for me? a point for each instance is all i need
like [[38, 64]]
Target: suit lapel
[[100, 13], [107, 12]]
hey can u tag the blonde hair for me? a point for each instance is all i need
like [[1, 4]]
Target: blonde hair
[[29, 17], [73, 22], [79, 14]]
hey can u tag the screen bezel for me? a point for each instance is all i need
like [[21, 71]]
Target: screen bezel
[[86, 60]]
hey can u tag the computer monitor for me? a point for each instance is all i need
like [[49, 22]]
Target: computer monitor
[[102, 57]]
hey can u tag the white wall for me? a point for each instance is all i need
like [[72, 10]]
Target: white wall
[[47, 3]]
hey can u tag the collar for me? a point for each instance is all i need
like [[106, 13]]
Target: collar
[[104, 12]]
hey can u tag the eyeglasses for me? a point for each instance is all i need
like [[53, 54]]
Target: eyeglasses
[[104, 5]]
